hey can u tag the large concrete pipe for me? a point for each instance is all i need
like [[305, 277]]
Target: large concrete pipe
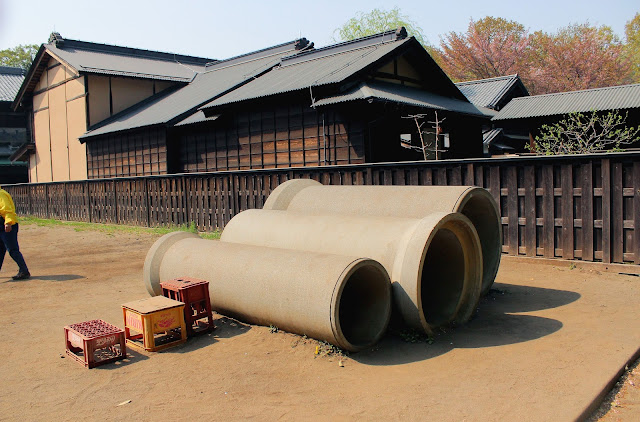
[[434, 263], [344, 300], [477, 204]]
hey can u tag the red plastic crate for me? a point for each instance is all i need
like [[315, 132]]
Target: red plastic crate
[[194, 293], [93, 343]]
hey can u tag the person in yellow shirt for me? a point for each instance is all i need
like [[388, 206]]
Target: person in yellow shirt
[[9, 235]]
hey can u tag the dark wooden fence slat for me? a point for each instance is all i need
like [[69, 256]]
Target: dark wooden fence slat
[[587, 211], [567, 211], [606, 210], [512, 209], [530, 209], [617, 216], [636, 212], [548, 209]]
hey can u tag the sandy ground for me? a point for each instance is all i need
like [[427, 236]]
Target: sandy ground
[[543, 345]]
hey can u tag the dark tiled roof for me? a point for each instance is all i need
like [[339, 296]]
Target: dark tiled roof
[[609, 98], [405, 95], [315, 68], [10, 80], [488, 92], [123, 61], [114, 60], [216, 80]]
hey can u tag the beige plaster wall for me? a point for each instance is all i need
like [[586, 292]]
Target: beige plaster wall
[[59, 119], [110, 95], [99, 100], [42, 160], [127, 92]]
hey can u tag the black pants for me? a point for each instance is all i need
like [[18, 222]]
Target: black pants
[[10, 243]]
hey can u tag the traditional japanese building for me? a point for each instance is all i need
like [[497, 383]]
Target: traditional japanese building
[[108, 111], [13, 126]]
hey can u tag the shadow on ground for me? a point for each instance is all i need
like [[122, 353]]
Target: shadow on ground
[[493, 325], [57, 277], [225, 328]]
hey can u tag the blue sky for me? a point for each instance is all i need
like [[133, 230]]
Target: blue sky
[[222, 29]]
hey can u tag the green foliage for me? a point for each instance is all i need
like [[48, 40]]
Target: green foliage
[[324, 348], [115, 228], [582, 133], [377, 21], [411, 335], [632, 46], [20, 56]]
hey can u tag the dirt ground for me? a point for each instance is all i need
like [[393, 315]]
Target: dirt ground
[[543, 345]]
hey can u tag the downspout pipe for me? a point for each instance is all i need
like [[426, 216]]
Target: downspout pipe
[[477, 204], [435, 262], [344, 300]]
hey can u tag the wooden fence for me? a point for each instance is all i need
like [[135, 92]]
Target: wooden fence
[[574, 207]]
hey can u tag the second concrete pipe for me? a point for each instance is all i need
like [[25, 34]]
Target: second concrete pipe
[[434, 262], [311, 197], [344, 300]]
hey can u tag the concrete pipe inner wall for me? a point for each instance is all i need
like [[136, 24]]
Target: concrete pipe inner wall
[[344, 300], [435, 262], [309, 196]]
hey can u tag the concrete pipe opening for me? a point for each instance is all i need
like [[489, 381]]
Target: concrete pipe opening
[[443, 278], [363, 306]]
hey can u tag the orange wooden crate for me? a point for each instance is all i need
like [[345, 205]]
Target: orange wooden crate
[[154, 324]]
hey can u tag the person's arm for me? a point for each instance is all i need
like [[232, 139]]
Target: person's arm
[[7, 211]]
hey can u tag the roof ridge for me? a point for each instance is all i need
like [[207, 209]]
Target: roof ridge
[[388, 36], [602, 88], [300, 43], [512, 76], [12, 70]]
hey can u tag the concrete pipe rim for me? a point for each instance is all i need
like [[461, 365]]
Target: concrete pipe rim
[[478, 205], [151, 268], [444, 263], [283, 194], [364, 286]]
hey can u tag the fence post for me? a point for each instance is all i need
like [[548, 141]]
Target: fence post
[[46, 200], [29, 201], [606, 210], [66, 199], [115, 202], [88, 202], [147, 202]]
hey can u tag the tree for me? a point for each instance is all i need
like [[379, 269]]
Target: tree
[[579, 56], [375, 22], [429, 139], [632, 46], [490, 47], [20, 56], [583, 133]]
